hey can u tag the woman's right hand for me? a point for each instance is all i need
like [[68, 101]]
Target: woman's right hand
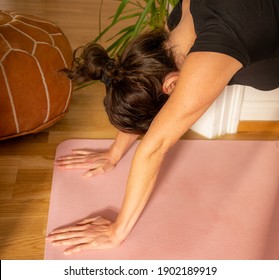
[[96, 162]]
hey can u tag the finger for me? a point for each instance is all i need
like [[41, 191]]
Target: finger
[[54, 238], [89, 246], [86, 152], [73, 158], [89, 220], [69, 241], [98, 221], [93, 172], [61, 163], [76, 165], [70, 159], [81, 151], [92, 162], [80, 248], [71, 229]]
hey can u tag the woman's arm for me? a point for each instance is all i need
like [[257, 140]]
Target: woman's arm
[[203, 76], [121, 145]]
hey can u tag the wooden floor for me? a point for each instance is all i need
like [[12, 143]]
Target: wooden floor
[[26, 163]]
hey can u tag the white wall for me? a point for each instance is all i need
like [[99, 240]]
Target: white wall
[[260, 105], [237, 103]]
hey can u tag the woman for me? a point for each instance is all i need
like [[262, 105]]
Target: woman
[[160, 86]]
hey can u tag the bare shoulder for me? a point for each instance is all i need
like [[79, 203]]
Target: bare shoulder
[[209, 67]]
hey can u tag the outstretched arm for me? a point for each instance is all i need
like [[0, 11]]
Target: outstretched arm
[[203, 76]]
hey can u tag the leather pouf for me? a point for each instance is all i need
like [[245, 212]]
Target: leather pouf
[[34, 93]]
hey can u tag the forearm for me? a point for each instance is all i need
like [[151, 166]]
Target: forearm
[[121, 145], [144, 170]]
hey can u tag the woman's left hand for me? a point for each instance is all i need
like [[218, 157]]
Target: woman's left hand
[[94, 233]]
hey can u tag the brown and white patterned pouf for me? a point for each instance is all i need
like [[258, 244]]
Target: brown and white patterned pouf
[[34, 94]]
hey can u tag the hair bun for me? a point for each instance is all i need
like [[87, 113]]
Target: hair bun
[[110, 66], [94, 63]]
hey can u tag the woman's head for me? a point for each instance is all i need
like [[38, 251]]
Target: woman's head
[[133, 80]]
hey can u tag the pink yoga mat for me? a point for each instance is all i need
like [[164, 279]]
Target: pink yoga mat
[[212, 200]]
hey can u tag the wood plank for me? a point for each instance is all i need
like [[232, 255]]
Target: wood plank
[[8, 174], [13, 147], [36, 162], [26, 243], [28, 208], [259, 126], [8, 169], [60, 136]]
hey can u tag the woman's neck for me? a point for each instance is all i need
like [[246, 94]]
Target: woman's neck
[[183, 36]]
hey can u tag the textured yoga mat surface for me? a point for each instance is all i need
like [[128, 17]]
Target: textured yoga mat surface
[[212, 200]]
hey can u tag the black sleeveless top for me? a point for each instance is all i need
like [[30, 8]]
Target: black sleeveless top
[[247, 30]]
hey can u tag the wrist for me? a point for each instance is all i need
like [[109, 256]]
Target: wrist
[[121, 145], [114, 154], [119, 233]]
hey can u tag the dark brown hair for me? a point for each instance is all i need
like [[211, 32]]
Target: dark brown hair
[[133, 80]]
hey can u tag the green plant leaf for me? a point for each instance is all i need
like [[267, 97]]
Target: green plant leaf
[[128, 29], [103, 32], [120, 9], [142, 17], [118, 43], [129, 16]]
